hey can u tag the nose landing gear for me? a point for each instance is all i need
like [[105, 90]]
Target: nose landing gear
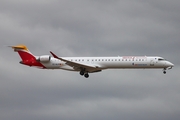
[[164, 70]]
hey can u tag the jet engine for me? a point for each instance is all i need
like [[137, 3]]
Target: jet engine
[[44, 58]]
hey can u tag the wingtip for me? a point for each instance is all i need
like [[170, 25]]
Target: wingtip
[[55, 56]]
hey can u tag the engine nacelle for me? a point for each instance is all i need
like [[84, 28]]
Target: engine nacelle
[[44, 58]]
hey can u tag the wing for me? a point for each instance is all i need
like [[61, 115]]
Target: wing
[[79, 66]]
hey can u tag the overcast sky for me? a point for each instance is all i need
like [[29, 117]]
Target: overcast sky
[[89, 28]]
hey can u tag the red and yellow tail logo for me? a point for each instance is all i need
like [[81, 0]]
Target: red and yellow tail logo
[[27, 57], [24, 53]]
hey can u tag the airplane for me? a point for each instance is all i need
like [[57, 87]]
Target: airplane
[[86, 65]]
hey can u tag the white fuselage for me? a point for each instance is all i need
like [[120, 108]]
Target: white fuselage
[[110, 62], [87, 65]]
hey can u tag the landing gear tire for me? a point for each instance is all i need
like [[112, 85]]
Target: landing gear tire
[[164, 71], [86, 75], [81, 72]]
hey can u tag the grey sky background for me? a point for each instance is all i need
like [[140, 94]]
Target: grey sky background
[[89, 28]]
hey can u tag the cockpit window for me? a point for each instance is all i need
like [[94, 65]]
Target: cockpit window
[[160, 59]]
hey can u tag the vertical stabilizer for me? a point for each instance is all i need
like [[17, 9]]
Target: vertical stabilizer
[[24, 53]]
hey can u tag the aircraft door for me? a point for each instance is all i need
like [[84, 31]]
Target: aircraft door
[[152, 63]]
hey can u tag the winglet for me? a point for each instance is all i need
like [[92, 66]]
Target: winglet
[[55, 56]]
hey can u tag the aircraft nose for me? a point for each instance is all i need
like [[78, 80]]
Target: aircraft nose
[[172, 65], [169, 64]]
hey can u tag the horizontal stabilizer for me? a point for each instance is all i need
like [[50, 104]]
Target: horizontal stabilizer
[[19, 47]]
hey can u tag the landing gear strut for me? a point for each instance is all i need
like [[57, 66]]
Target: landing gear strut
[[164, 71]]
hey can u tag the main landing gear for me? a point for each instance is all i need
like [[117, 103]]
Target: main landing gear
[[86, 75]]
